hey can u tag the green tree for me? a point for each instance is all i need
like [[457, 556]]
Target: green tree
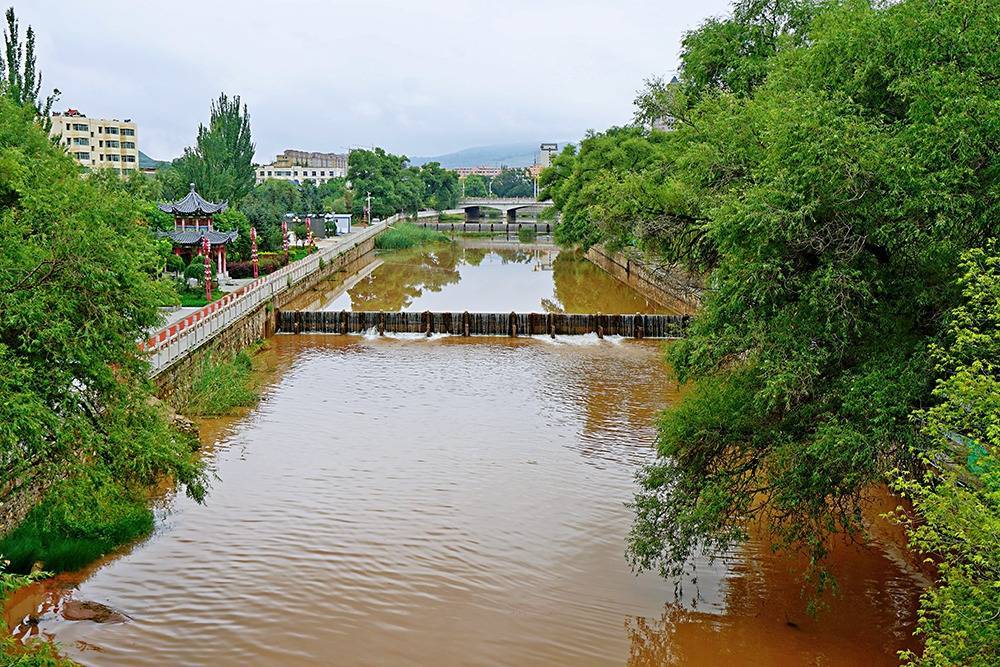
[[475, 186], [441, 187], [334, 196], [513, 183], [312, 200], [266, 206], [221, 162], [393, 184], [19, 76], [77, 290], [957, 498], [234, 219], [825, 179]]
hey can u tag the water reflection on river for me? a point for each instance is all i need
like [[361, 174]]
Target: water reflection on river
[[480, 275], [452, 502]]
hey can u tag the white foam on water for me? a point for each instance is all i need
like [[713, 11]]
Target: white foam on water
[[584, 339], [372, 334]]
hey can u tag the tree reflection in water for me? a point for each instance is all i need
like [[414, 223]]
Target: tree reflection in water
[[494, 276], [404, 276]]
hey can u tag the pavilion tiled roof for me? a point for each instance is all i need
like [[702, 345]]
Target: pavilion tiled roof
[[193, 204], [194, 236]]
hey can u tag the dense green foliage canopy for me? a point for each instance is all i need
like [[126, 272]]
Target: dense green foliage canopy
[[395, 186], [20, 80], [475, 185], [957, 499], [77, 292], [221, 162], [827, 167]]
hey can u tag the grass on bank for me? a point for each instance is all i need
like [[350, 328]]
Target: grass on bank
[[451, 217], [220, 384], [80, 520], [407, 235]]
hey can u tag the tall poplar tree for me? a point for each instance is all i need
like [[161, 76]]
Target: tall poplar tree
[[20, 79], [221, 162]]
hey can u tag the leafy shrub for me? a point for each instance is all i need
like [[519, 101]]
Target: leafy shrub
[[175, 263], [265, 265]]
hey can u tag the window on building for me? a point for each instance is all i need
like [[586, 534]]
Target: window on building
[[112, 130], [129, 158], [322, 173], [314, 173], [128, 131], [79, 127], [114, 158], [82, 156], [100, 129], [128, 144], [80, 141], [269, 174], [113, 144]]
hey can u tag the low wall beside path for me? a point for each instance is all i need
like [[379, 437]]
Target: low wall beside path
[[247, 315]]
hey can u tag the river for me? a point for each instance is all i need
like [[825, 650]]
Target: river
[[450, 501]]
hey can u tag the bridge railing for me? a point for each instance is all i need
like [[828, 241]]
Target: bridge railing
[[179, 339]]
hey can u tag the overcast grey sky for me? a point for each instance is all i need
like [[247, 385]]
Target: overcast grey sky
[[420, 78]]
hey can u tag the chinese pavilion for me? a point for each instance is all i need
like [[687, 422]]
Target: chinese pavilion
[[192, 224]]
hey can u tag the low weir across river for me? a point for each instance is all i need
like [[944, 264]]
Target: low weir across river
[[483, 324]]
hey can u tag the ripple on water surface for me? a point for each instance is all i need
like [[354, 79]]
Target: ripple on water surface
[[451, 502]]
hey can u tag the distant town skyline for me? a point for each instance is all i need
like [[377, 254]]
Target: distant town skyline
[[421, 79]]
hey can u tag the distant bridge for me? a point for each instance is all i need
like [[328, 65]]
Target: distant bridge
[[509, 206]]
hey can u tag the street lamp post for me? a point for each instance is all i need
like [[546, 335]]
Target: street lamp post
[[253, 250], [206, 249]]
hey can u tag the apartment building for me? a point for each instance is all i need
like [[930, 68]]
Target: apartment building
[[98, 143], [300, 166]]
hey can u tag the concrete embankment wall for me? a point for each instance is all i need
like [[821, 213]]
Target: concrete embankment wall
[[677, 292], [257, 324]]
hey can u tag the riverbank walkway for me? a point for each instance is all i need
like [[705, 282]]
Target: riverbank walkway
[[178, 339]]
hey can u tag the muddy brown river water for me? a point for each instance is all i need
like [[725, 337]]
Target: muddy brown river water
[[447, 501]]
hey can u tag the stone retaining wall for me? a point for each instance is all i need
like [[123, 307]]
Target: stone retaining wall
[[679, 293]]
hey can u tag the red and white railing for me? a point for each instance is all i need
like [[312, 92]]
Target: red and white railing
[[180, 338]]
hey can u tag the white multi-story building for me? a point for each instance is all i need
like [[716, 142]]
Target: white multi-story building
[[98, 143], [300, 166]]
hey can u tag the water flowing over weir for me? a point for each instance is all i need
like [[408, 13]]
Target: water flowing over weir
[[483, 324]]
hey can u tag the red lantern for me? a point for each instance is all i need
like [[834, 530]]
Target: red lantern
[[253, 249], [206, 248], [284, 233]]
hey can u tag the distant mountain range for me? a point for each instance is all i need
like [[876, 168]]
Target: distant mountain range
[[501, 155], [146, 162]]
